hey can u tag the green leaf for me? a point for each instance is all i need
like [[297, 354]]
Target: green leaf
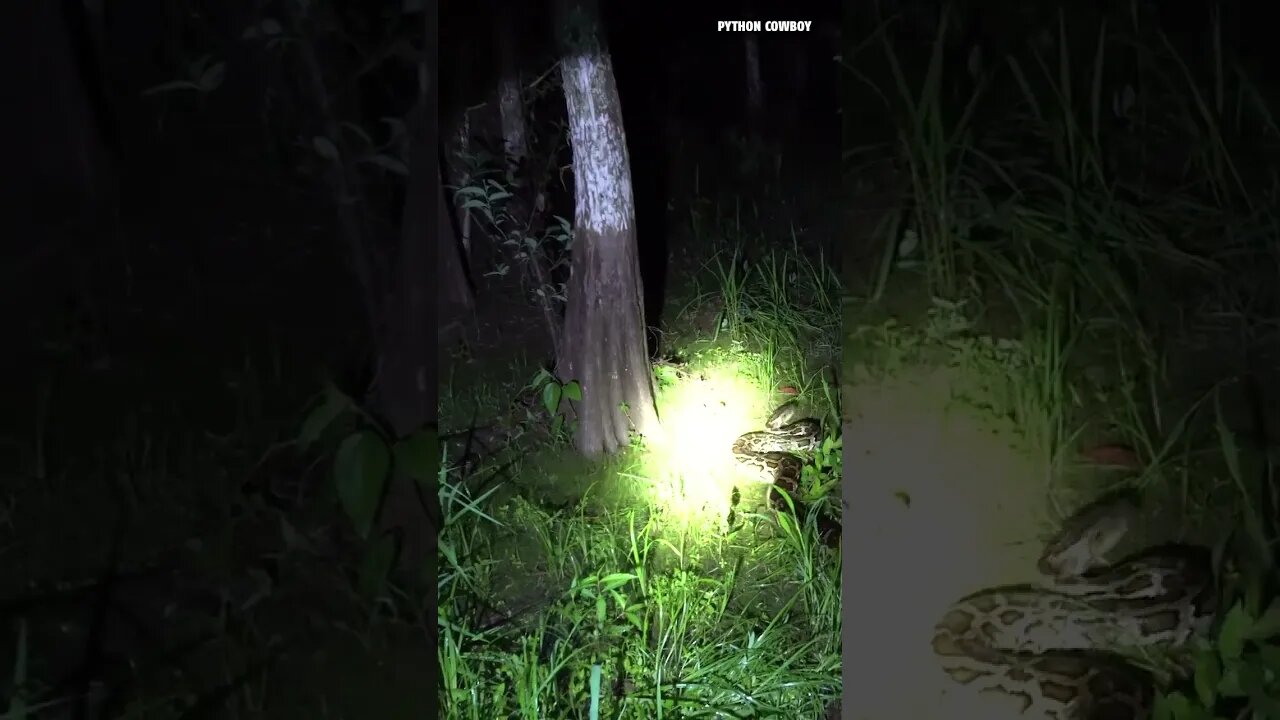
[[1173, 706], [418, 455], [573, 391], [1235, 626], [1208, 674], [1161, 710], [613, 581], [585, 585], [335, 403], [171, 86], [18, 705], [1268, 623], [830, 444], [1229, 685], [542, 377], [594, 711], [376, 567], [551, 393], [360, 471], [1253, 680], [446, 549], [212, 78], [1269, 656], [1253, 594], [388, 163], [325, 148]]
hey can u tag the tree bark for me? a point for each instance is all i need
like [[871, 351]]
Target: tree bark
[[604, 340], [58, 194], [456, 296], [343, 185], [407, 391], [58, 160], [755, 82], [515, 131]]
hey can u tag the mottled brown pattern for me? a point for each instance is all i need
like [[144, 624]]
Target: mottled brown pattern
[[1048, 646], [770, 453]]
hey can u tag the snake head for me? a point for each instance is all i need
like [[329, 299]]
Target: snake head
[[1088, 535], [783, 416]]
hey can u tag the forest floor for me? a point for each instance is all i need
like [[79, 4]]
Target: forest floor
[[960, 463], [661, 567]]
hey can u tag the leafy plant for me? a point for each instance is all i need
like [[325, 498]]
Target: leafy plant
[[553, 395], [1242, 666], [538, 248], [364, 461]]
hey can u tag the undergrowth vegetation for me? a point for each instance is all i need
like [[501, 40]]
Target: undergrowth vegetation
[[657, 583], [1094, 214]]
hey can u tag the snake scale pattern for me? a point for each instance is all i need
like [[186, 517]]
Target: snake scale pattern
[[771, 453], [1051, 645]]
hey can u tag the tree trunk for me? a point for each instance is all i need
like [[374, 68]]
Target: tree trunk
[[456, 296], [798, 64], [58, 160], [755, 82], [407, 391], [604, 340], [58, 192], [515, 132], [344, 187], [456, 147]]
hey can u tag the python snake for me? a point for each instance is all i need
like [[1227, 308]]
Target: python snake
[[1051, 645], [771, 453]]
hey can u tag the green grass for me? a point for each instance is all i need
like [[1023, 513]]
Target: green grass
[[641, 573], [656, 583], [674, 632]]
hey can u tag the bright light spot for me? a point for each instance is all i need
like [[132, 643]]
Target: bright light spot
[[692, 469]]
